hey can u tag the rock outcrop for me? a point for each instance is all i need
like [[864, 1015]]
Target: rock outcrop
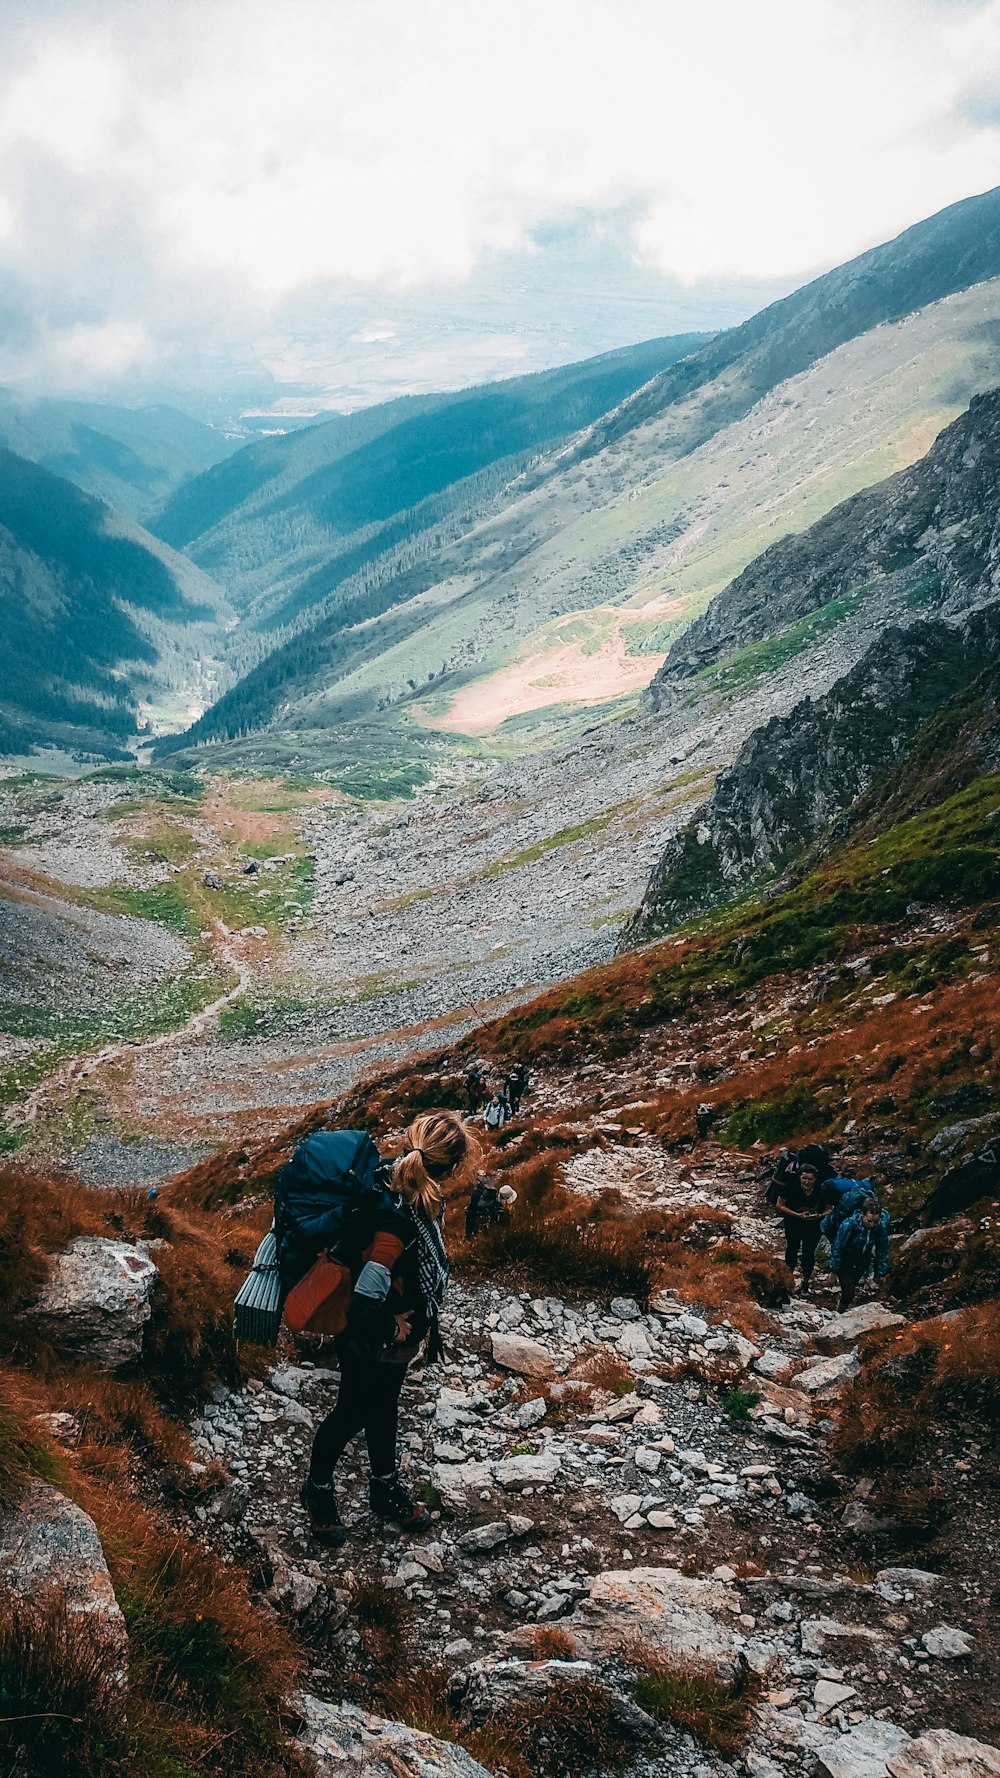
[[98, 1299], [940, 1754], [678, 1616], [48, 1545], [797, 774], [936, 522], [340, 1738]]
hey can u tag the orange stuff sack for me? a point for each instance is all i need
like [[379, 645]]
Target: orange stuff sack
[[319, 1302]]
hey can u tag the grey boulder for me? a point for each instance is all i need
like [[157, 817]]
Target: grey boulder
[[862, 1753], [98, 1298], [50, 1545], [940, 1754]]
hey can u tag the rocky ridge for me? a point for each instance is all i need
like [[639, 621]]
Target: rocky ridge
[[798, 773], [935, 522]]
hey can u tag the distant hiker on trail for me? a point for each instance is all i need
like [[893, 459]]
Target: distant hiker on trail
[[488, 1206], [860, 1249], [360, 1243], [801, 1210], [515, 1086], [497, 1112], [475, 1086], [704, 1118]]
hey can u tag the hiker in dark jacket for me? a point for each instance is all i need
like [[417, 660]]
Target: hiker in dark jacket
[[475, 1086], [485, 1209], [515, 1086], [801, 1210], [860, 1249], [704, 1118], [399, 1266]]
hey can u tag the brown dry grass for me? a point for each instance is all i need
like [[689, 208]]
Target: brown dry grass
[[942, 1371], [717, 1714], [549, 1643]]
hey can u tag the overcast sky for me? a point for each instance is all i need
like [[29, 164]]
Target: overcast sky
[[302, 200]]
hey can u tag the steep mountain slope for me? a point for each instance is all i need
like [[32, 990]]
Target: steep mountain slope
[[94, 615], [950, 251], [603, 553], [614, 557], [287, 520], [131, 457], [936, 521], [929, 535]]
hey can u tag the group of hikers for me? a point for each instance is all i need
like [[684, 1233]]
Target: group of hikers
[[816, 1203], [498, 1099], [358, 1255]]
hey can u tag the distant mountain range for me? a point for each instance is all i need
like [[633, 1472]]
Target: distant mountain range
[[403, 567], [288, 520]]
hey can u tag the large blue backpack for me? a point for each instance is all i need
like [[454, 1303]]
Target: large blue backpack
[[332, 1175]]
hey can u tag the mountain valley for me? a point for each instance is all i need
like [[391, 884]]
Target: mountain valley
[[691, 1515]]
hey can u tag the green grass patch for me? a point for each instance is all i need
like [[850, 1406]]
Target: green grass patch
[[737, 1404], [720, 1716], [168, 902], [770, 1120], [184, 786], [741, 671], [165, 843], [376, 780]]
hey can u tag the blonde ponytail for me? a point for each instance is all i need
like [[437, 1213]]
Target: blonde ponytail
[[436, 1145]]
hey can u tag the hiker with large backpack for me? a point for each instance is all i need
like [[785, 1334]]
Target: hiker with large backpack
[[860, 1250], [362, 1257], [842, 1196]]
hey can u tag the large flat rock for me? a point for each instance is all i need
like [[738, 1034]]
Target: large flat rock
[[514, 1352], [98, 1298], [862, 1752], [940, 1754], [688, 1619], [828, 1373], [342, 1739], [843, 1331]]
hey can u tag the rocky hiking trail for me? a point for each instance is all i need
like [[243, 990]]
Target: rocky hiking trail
[[622, 1478], [644, 1557]]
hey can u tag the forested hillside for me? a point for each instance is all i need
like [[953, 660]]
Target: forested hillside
[[90, 604], [287, 520], [615, 543], [131, 457]]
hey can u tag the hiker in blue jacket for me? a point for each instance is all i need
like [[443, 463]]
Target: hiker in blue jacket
[[841, 1197], [860, 1249]]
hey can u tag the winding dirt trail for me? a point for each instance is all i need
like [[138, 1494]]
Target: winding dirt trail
[[80, 1068]]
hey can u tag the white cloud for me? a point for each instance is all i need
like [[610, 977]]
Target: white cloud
[[218, 159]]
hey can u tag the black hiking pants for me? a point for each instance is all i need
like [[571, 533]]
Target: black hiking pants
[[801, 1238], [367, 1401], [849, 1277]]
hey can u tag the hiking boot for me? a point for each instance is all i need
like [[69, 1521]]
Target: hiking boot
[[390, 1500], [325, 1521], [803, 1289]]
